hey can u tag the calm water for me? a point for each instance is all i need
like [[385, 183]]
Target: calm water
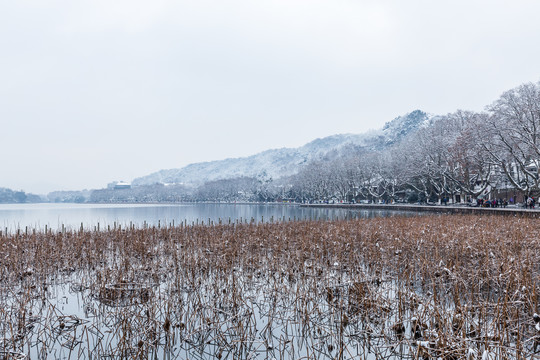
[[20, 216]]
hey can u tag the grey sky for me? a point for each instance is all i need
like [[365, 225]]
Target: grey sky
[[103, 90]]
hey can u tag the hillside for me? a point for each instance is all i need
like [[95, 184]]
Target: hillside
[[277, 163]]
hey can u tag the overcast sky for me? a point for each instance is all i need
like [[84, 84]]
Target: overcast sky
[[102, 90]]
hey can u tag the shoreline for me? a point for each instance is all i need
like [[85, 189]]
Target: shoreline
[[446, 209]]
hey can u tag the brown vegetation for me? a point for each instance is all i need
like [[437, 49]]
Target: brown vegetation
[[430, 287]]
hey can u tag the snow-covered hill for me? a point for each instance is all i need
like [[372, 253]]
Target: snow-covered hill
[[277, 163]]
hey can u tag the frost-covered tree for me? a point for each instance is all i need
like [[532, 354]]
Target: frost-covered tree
[[469, 170], [513, 136], [430, 159], [395, 173], [339, 180], [374, 166], [265, 190]]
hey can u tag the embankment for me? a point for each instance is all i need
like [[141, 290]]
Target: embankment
[[449, 209]]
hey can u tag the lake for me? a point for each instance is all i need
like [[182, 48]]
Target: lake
[[37, 216]]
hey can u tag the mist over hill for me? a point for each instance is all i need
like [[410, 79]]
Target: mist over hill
[[278, 163], [416, 157], [254, 172]]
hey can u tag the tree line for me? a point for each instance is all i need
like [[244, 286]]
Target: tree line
[[463, 155], [17, 197], [466, 154]]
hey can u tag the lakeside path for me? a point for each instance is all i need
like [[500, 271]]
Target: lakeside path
[[448, 209]]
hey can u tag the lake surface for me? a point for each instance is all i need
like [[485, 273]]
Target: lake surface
[[20, 216]]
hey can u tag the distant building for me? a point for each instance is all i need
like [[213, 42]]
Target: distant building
[[122, 185], [118, 185]]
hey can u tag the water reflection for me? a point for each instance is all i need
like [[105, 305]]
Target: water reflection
[[20, 216]]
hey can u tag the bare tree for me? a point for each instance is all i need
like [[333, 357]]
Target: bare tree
[[468, 168], [513, 126]]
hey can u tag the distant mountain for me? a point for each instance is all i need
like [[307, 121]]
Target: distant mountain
[[394, 131], [8, 196], [277, 163]]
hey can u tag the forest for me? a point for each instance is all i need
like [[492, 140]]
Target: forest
[[461, 156]]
